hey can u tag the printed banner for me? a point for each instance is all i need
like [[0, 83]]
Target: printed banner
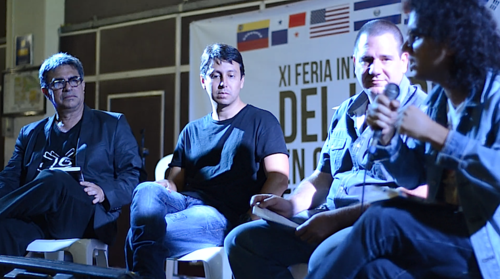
[[298, 65]]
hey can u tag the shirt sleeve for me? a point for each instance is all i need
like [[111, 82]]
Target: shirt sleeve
[[178, 158], [270, 139]]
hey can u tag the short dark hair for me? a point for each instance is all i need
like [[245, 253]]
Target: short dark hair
[[55, 61], [468, 29], [218, 53], [379, 27]]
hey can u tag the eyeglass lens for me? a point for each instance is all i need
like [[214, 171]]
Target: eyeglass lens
[[61, 83]]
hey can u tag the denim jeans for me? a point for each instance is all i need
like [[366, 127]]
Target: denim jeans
[[403, 239], [168, 224], [265, 250]]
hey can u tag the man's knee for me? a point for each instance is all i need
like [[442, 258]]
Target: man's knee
[[382, 215], [242, 235], [249, 236], [146, 204], [52, 179], [147, 190]]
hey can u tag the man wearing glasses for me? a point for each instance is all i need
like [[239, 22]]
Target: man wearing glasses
[[39, 198]]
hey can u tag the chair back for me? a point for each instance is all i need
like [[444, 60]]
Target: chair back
[[162, 166]]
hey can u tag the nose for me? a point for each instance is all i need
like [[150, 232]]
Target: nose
[[66, 86], [376, 67], [221, 83]]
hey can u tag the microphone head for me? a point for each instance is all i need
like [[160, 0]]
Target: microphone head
[[391, 91]]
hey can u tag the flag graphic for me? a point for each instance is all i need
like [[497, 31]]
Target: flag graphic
[[297, 29], [373, 4], [493, 5], [253, 35], [329, 21], [279, 37], [376, 9], [396, 19], [297, 20], [279, 31]]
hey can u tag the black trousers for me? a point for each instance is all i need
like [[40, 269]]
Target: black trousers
[[53, 205]]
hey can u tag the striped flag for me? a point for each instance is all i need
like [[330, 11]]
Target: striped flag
[[329, 21], [253, 35], [376, 9], [373, 4]]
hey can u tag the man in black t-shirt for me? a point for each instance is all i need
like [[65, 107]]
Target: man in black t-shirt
[[220, 161], [39, 196]]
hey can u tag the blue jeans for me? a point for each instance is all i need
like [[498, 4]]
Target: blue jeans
[[403, 239], [265, 250], [168, 224]]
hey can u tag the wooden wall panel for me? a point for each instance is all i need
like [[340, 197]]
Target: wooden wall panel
[[83, 47], [134, 109], [184, 100], [3, 19], [90, 94], [2, 139], [152, 83], [77, 11], [136, 47]]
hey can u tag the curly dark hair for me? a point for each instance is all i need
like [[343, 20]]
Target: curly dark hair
[[466, 27]]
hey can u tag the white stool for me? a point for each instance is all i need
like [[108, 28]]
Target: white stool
[[83, 251], [215, 263]]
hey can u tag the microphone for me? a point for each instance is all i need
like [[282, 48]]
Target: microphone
[[392, 92]]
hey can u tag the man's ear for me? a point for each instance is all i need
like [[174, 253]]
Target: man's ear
[[202, 81], [354, 64], [405, 59], [45, 92]]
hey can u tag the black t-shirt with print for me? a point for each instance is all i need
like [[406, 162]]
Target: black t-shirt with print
[[61, 147]]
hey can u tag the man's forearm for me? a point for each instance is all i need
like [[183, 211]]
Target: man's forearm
[[276, 184], [311, 192], [302, 197], [350, 214]]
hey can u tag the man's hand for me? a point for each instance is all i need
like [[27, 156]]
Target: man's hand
[[93, 190], [417, 124], [167, 184], [319, 227], [382, 114], [274, 203]]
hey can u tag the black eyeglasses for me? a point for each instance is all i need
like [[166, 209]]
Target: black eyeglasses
[[61, 83]]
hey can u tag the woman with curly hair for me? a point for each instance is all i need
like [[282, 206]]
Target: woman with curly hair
[[455, 149]]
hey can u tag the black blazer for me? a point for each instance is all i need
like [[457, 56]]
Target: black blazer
[[107, 153]]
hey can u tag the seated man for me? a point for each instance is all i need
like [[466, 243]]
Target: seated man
[[220, 161], [265, 250], [456, 232], [38, 201]]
